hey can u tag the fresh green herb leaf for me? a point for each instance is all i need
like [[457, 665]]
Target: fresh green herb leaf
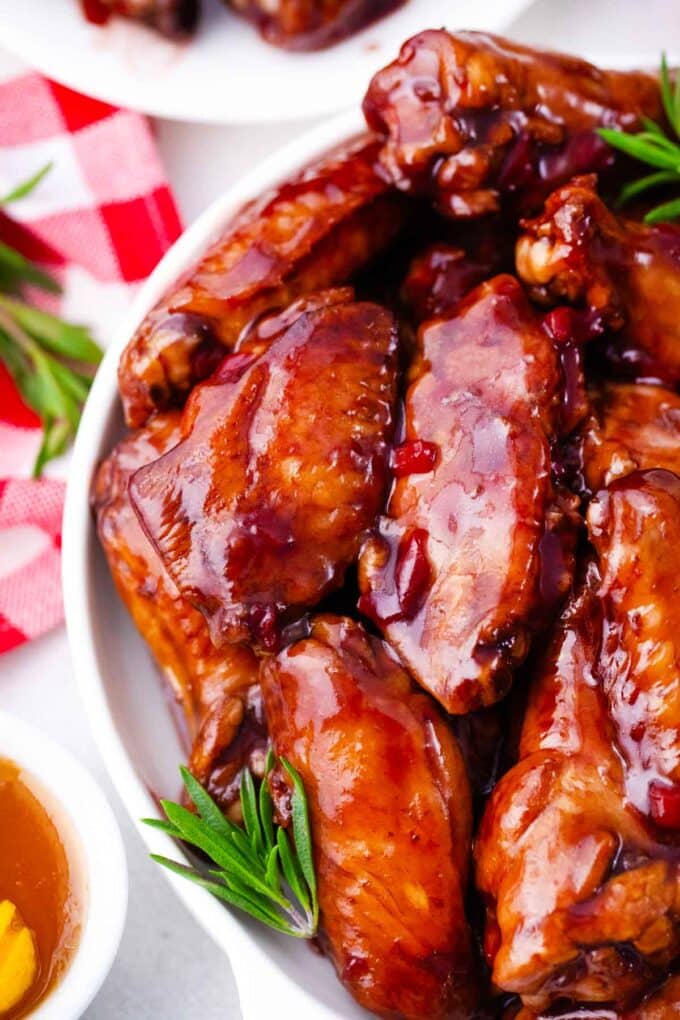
[[653, 147], [50, 360], [259, 870], [24, 189]]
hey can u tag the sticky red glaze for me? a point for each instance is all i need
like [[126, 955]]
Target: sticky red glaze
[[468, 116], [581, 898], [390, 817], [631, 427], [634, 526], [282, 467], [622, 276], [486, 392], [313, 232], [416, 457], [312, 24], [173, 18], [213, 689], [664, 804]]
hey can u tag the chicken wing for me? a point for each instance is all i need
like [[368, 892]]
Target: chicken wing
[[174, 18], [632, 427], [281, 469], [624, 274], [311, 24], [583, 903], [468, 117], [314, 232], [217, 691], [475, 547], [662, 1004], [390, 817]]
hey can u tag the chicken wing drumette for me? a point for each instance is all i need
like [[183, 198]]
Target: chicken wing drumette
[[280, 470], [311, 24], [579, 850], [217, 691], [624, 274], [468, 117], [314, 232], [475, 548], [390, 817]]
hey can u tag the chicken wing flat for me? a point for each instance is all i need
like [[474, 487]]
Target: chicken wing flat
[[173, 18], [468, 117], [632, 427], [624, 274], [281, 468], [311, 24], [216, 690], [634, 526], [662, 1004], [583, 902], [390, 817], [474, 549], [314, 232]]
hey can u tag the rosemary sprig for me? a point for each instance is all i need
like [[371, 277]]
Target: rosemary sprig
[[51, 361], [654, 147], [258, 868]]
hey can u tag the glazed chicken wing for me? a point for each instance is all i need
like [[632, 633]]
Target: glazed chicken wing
[[174, 18], [390, 817], [216, 690], [281, 468], [474, 549], [632, 427], [468, 117], [314, 232], [311, 24], [625, 275], [596, 788], [661, 1004]]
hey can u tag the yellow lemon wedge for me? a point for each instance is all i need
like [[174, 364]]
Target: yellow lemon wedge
[[18, 960]]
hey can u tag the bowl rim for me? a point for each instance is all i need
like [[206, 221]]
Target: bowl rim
[[244, 942], [72, 790]]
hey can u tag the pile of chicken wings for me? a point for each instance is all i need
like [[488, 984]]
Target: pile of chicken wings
[[402, 497]]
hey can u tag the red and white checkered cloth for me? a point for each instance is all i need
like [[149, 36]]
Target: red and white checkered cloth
[[98, 222]]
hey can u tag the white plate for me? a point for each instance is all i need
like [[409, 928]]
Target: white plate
[[226, 74], [127, 708]]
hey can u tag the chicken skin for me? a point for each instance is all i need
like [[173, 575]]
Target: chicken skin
[[632, 427], [583, 902], [625, 275], [173, 18], [281, 469], [311, 24], [475, 547], [314, 232], [468, 118], [596, 787], [662, 1004], [390, 818], [216, 690]]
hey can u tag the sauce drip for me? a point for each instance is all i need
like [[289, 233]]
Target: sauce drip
[[36, 875]]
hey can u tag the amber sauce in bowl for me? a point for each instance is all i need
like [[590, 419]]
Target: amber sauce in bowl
[[41, 874]]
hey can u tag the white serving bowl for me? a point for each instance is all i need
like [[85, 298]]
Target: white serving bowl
[[127, 708], [83, 816]]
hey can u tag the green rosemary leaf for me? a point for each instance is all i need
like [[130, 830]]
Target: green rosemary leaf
[[56, 437], [24, 189], [271, 873], [73, 383], [667, 95], [301, 829], [642, 150], [57, 336], [266, 806], [226, 894], [652, 126], [205, 805], [264, 903], [251, 817], [666, 211], [158, 823], [644, 184], [292, 871], [15, 270]]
